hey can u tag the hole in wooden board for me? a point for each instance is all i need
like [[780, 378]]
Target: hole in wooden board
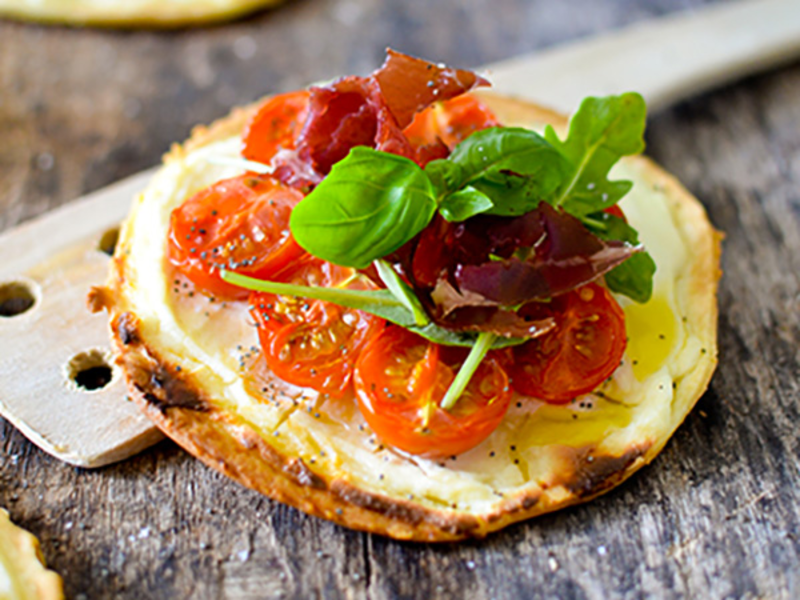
[[16, 297], [108, 241], [90, 371]]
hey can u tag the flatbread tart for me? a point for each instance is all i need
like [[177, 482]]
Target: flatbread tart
[[194, 365], [22, 572], [131, 13]]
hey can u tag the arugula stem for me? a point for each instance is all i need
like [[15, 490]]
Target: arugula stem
[[381, 303], [338, 296], [402, 291], [476, 355], [353, 277], [599, 225]]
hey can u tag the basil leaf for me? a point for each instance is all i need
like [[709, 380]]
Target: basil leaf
[[463, 204], [381, 303], [634, 277], [369, 205], [402, 292], [514, 167], [600, 133], [445, 175], [512, 195]]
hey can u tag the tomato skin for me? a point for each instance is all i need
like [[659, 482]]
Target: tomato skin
[[461, 117], [311, 343], [400, 378], [584, 349], [616, 211], [240, 224], [450, 122], [273, 312], [275, 126], [319, 354]]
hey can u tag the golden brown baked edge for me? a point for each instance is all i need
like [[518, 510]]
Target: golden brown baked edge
[[130, 14]]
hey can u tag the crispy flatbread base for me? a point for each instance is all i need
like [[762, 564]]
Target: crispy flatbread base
[[22, 572], [193, 366], [131, 13]]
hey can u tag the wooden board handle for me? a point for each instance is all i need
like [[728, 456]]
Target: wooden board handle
[[58, 381], [665, 60]]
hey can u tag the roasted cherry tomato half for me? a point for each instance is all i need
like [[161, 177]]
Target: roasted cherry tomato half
[[240, 224], [584, 348], [311, 343], [401, 378], [275, 126], [273, 311], [450, 122]]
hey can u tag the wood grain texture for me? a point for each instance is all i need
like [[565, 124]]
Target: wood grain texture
[[717, 513]]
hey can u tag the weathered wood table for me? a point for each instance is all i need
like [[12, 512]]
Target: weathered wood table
[[716, 515]]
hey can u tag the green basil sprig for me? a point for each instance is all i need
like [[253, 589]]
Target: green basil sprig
[[371, 203], [514, 168]]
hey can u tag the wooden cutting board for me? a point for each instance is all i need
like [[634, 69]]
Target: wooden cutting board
[[58, 383]]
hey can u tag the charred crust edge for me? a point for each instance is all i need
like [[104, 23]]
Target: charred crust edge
[[298, 470], [596, 474], [164, 390], [375, 503], [127, 329], [458, 526], [160, 384]]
